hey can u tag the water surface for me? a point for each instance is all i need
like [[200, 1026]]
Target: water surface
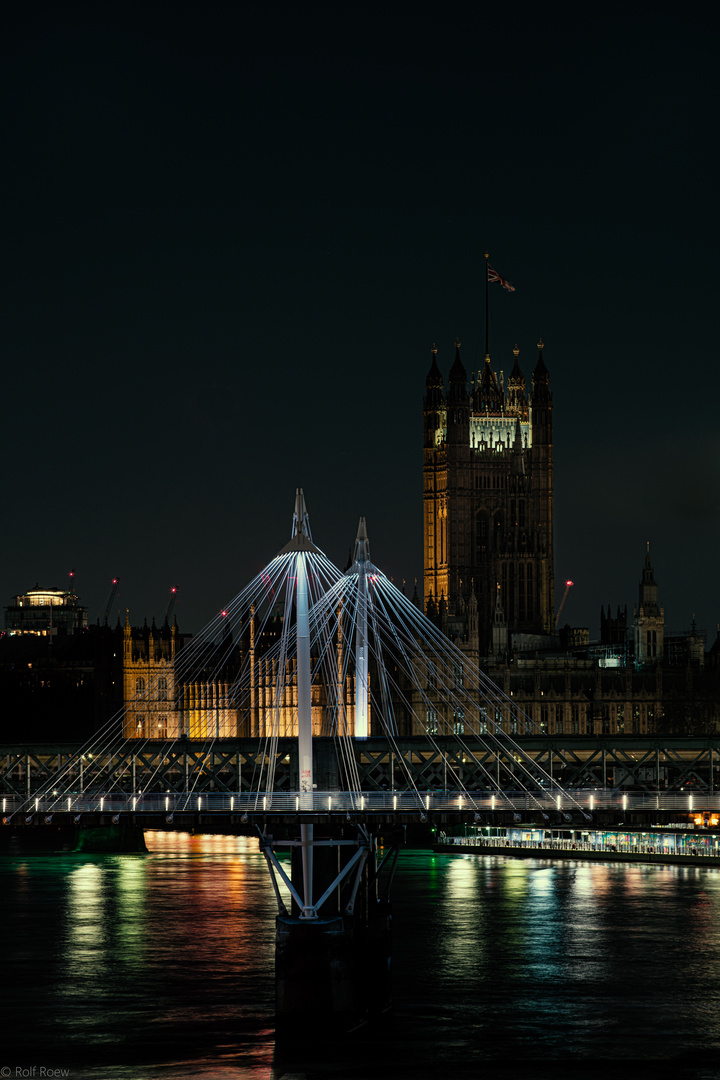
[[161, 965]]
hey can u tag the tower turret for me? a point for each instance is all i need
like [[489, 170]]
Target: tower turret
[[434, 404], [488, 397], [516, 399], [458, 403], [649, 620]]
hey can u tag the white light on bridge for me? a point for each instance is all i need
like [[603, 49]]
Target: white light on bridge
[[68, 802], [362, 802], [329, 802], [690, 802], [232, 803], [492, 802], [459, 802], [427, 802], [624, 802], [199, 801], [394, 802], [592, 802], [101, 805], [167, 803], [558, 802]]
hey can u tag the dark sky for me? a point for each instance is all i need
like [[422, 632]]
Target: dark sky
[[232, 232]]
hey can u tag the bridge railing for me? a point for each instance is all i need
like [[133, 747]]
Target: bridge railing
[[570, 802]]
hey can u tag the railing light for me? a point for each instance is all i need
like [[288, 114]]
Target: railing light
[[492, 802], [690, 802], [592, 802], [558, 802], [329, 802], [232, 803], [624, 802], [394, 802], [427, 802]]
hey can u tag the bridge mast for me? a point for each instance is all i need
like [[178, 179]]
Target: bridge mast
[[301, 543], [362, 553]]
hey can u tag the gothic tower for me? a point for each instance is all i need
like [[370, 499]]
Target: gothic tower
[[649, 619], [488, 501]]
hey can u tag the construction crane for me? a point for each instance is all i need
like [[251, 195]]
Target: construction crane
[[171, 603], [111, 600], [568, 587]]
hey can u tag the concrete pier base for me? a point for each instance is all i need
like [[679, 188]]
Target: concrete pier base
[[332, 973]]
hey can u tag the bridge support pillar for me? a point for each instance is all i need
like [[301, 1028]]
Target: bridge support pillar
[[332, 969]]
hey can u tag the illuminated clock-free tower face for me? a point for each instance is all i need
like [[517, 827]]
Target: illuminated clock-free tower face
[[488, 492]]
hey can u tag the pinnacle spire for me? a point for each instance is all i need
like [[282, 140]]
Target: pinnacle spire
[[362, 544], [301, 537]]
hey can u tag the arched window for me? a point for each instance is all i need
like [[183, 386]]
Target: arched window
[[162, 727], [162, 689], [139, 685], [140, 727]]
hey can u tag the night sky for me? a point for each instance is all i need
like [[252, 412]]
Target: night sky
[[232, 233]]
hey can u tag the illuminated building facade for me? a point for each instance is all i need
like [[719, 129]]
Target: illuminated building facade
[[45, 613], [158, 705], [488, 504], [488, 577]]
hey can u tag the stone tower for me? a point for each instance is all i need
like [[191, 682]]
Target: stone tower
[[649, 619], [488, 502]]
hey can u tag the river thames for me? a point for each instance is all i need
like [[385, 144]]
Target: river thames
[[161, 965]]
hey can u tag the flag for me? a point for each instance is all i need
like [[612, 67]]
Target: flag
[[494, 276]]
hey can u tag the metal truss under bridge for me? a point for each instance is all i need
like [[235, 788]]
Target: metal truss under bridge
[[408, 767]]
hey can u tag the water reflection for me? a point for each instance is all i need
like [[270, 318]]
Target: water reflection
[[162, 965]]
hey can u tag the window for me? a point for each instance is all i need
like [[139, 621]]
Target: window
[[431, 722], [575, 720], [458, 721], [620, 719], [139, 685]]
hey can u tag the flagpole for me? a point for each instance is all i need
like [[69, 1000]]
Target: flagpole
[[487, 309]]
